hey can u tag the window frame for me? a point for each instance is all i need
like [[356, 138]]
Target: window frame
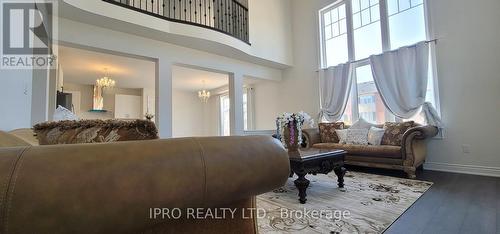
[[386, 46]]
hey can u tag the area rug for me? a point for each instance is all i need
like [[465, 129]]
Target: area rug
[[368, 204]]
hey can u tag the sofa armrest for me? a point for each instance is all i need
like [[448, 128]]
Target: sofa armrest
[[110, 187], [311, 137], [414, 146]]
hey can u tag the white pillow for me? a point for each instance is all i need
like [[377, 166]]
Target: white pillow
[[357, 136], [362, 124], [342, 134], [375, 135], [353, 136], [62, 113]]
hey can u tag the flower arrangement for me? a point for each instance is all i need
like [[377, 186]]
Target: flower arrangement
[[289, 128]]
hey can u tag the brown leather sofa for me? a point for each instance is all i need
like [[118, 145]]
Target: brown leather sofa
[[110, 187], [407, 157]]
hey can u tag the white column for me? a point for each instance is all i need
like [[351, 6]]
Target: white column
[[236, 103], [163, 103]]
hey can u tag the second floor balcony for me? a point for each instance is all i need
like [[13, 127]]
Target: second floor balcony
[[226, 16]]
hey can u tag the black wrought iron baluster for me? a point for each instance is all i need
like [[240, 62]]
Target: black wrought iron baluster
[[190, 11], [185, 10]]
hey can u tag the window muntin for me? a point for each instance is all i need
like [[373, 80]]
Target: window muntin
[[367, 29], [406, 22], [335, 35]]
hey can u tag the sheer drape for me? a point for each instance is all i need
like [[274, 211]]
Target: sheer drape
[[401, 78], [335, 86]]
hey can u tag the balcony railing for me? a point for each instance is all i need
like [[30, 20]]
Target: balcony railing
[[225, 16]]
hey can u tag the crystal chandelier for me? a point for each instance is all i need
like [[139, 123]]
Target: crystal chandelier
[[105, 82], [204, 95]]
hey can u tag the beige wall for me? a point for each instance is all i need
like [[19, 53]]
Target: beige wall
[[86, 92], [187, 114]]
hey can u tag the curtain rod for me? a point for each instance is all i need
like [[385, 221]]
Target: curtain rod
[[361, 60]]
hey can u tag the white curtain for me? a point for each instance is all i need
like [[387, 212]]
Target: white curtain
[[335, 86], [401, 78]]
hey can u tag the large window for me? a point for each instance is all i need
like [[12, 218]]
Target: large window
[[352, 30]]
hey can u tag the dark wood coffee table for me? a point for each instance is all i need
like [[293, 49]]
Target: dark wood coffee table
[[314, 161]]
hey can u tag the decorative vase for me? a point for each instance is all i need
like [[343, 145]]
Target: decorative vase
[[291, 137]]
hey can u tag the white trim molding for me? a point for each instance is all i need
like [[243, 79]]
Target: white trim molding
[[464, 169]]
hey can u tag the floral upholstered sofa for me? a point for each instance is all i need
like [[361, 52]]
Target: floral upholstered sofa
[[400, 146]]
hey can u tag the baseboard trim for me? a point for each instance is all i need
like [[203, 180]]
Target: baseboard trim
[[464, 169]]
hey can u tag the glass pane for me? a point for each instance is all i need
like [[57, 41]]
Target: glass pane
[[327, 18], [335, 29], [328, 32], [245, 111], [343, 26], [367, 41], [370, 105], [347, 117], [224, 102], [335, 15], [341, 11], [336, 50], [416, 2], [407, 28], [375, 13], [364, 4], [373, 2], [356, 20], [355, 6], [404, 4], [392, 6], [365, 17]]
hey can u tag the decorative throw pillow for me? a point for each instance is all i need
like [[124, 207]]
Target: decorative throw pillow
[[357, 136], [93, 131], [361, 124], [394, 132], [327, 132], [375, 135], [62, 113], [342, 134]]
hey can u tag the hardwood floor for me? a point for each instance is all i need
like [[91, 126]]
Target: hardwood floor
[[456, 203]]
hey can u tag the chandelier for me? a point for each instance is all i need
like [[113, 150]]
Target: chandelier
[[204, 95], [105, 81]]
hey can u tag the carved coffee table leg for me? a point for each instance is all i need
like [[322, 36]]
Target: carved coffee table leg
[[340, 172], [302, 183]]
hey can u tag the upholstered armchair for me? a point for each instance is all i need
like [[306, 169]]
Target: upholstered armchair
[[111, 187]]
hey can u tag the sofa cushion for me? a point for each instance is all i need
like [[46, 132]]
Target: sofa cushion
[[394, 132], [327, 131], [94, 131], [9, 140], [383, 151]]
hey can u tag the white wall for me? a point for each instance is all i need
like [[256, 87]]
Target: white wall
[[467, 58], [266, 104], [468, 52], [188, 114]]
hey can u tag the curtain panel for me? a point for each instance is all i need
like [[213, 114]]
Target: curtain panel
[[401, 78], [334, 85]]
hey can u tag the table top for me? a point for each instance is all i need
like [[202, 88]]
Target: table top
[[310, 154]]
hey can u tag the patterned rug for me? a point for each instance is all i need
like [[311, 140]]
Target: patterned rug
[[368, 204]]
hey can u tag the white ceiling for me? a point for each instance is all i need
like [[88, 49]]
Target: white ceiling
[[84, 67], [191, 80]]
